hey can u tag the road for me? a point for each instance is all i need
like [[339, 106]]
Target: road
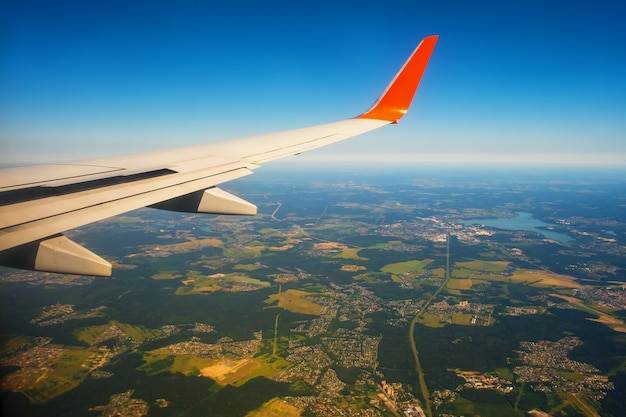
[[418, 366]]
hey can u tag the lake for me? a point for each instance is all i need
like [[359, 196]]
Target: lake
[[523, 221]]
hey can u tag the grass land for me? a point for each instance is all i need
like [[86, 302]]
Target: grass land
[[353, 268], [339, 250], [138, 333], [282, 248], [437, 272], [406, 267], [485, 266], [267, 366], [283, 278], [223, 371], [191, 244], [577, 402], [351, 253], [166, 275], [196, 283], [544, 279], [372, 277], [505, 373], [386, 245], [466, 274], [247, 267], [430, 320], [460, 284], [253, 250], [463, 319], [275, 408], [161, 360], [59, 375], [11, 344], [463, 406], [295, 301]]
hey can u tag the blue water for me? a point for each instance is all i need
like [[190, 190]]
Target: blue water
[[523, 221]]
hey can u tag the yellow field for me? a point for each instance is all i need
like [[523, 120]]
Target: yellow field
[[489, 270], [437, 272], [351, 253], [236, 373], [223, 371], [353, 268], [544, 279], [283, 248], [459, 284], [293, 300], [395, 278], [276, 408]]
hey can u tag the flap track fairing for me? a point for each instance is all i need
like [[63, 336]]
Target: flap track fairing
[[56, 254], [212, 201]]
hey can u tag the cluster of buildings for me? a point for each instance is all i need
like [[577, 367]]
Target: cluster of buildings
[[612, 297], [59, 313], [479, 314], [478, 380], [546, 365], [123, 404]]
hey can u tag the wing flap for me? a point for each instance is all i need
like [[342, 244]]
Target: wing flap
[[31, 176], [25, 222]]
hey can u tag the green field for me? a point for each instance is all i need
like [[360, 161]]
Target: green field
[[161, 360], [295, 300], [406, 267], [137, 333]]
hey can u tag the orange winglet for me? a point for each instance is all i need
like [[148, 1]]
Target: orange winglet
[[397, 97]]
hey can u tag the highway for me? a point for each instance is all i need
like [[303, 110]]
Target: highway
[[418, 366]]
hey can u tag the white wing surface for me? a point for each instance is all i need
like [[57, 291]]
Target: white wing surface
[[39, 203]]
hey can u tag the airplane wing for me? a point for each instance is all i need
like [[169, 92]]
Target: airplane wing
[[39, 203]]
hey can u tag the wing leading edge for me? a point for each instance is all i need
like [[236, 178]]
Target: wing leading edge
[[37, 204]]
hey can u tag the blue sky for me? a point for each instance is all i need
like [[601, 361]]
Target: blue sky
[[509, 81]]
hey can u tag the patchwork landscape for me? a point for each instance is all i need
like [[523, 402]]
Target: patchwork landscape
[[355, 294]]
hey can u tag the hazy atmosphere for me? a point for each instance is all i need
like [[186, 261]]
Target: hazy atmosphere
[[467, 261], [528, 81]]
